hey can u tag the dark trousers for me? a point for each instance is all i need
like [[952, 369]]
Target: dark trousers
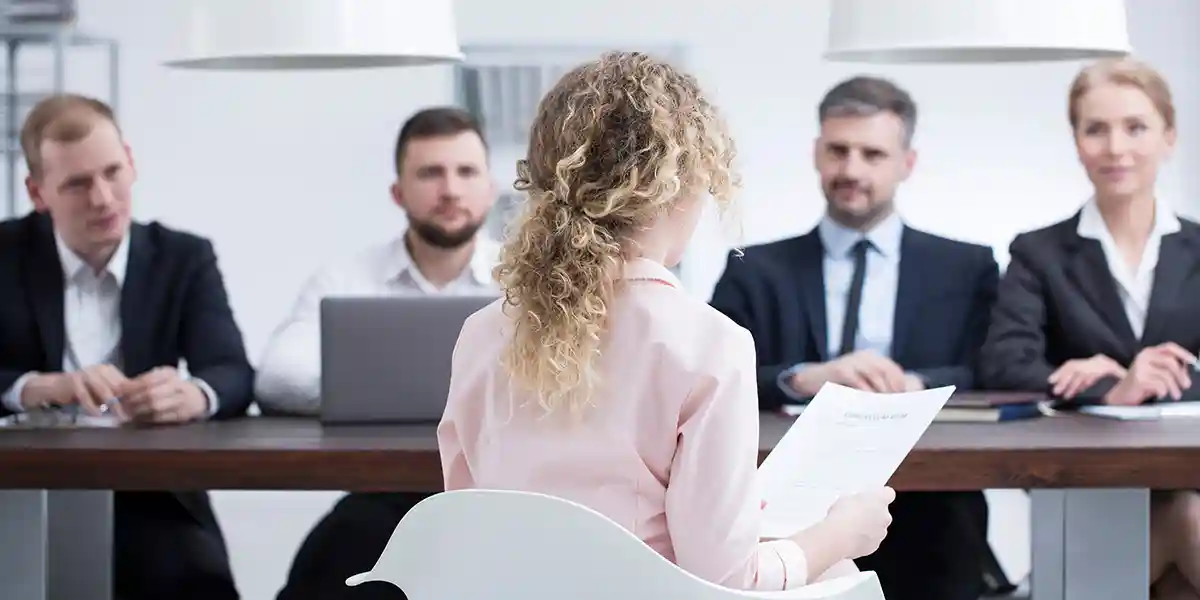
[[935, 548], [348, 541], [169, 545]]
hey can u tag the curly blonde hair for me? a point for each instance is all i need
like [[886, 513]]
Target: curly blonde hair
[[613, 146]]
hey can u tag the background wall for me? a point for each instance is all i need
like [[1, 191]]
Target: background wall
[[286, 171]]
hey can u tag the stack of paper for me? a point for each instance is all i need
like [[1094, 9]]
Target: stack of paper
[[846, 441], [1145, 412]]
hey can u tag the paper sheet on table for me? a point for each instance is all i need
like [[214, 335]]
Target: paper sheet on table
[[58, 420], [845, 441], [1145, 412]]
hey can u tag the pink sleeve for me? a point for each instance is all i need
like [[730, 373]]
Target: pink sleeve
[[712, 503], [456, 472]]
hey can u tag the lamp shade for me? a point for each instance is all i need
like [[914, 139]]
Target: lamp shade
[[317, 34], [975, 31]]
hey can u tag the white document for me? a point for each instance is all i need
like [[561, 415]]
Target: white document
[[58, 420], [845, 441], [1145, 412]]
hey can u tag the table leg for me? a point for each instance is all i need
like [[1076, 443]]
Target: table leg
[[23, 550], [57, 544], [1091, 544]]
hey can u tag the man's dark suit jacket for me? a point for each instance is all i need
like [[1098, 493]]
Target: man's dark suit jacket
[[936, 545], [1058, 301], [173, 306], [943, 302]]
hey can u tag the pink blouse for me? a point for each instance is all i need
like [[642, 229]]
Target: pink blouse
[[669, 450]]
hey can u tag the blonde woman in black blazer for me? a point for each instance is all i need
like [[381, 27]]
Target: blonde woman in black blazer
[[1102, 307]]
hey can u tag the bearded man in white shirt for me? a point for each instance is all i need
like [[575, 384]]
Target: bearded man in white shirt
[[445, 189]]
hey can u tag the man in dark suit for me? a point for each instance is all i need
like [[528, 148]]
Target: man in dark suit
[[97, 312], [866, 301]]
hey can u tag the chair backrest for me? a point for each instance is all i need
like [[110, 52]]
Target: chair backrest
[[505, 544]]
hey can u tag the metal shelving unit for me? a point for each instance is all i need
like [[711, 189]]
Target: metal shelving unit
[[45, 24]]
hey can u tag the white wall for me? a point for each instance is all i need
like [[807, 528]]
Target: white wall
[[284, 170]]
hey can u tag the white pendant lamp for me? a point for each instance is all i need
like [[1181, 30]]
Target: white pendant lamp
[[975, 31], [234, 35]]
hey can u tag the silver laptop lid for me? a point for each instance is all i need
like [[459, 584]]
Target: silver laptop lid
[[387, 359]]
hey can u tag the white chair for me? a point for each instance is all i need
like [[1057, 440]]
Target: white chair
[[483, 544]]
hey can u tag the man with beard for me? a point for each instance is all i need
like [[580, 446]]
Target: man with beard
[[866, 301], [445, 190], [444, 187]]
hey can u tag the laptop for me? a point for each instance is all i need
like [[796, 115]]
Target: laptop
[[387, 359]]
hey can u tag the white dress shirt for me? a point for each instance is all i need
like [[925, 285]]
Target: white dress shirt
[[91, 318], [878, 309], [289, 374], [1133, 286]]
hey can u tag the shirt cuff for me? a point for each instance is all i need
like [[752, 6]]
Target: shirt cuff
[[783, 565], [923, 379], [209, 394], [785, 377], [12, 398]]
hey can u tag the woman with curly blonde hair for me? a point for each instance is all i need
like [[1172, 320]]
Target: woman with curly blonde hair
[[597, 378]]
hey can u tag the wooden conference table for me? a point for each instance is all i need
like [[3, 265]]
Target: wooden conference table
[[55, 485]]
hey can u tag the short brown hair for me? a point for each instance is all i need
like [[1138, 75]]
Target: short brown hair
[[62, 118], [438, 121], [864, 96], [1123, 71]]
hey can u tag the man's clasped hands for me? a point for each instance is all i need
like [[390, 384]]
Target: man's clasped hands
[[162, 395], [863, 370], [1157, 372]]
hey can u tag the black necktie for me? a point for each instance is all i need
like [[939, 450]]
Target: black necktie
[[854, 298]]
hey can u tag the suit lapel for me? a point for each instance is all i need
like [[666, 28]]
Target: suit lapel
[[1176, 262], [1088, 268], [44, 276], [812, 289], [914, 264], [135, 300]]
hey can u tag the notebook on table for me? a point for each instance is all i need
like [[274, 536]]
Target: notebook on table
[[978, 407], [992, 407]]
